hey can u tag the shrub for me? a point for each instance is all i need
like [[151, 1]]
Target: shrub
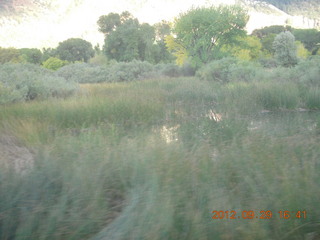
[[217, 70], [53, 63], [83, 73], [268, 62], [244, 71], [307, 72], [21, 82], [285, 49], [228, 70], [123, 72], [168, 70]]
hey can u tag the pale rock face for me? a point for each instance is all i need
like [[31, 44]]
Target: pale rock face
[[45, 23]]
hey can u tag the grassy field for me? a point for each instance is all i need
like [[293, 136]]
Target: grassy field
[[154, 159]]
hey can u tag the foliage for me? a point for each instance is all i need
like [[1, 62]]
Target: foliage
[[173, 70], [201, 31], [99, 59], [9, 55], [127, 40], [177, 50], [266, 31], [248, 48], [307, 72], [285, 49], [84, 73], [131, 71], [31, 55], [54, 63], [302, 52], [309, 37], [48, 53], [267, 44], [75, 49], [116, 72], [228, 69], [20, 82], [108, 23]]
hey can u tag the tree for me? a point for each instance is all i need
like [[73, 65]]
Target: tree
[[302, 52], [267, 44], [48, 53], [75, 49], [10, 55], [177, 49], [108, 23], [160, 51], [274, 29], [309, 37], [249, 48], [31, 55], [204, 31], [285, 49], [126, 39]]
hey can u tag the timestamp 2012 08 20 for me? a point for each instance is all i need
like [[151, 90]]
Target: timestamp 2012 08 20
[[263, 214]]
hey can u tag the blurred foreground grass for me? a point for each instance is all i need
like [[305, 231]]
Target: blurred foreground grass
[[153, 159]]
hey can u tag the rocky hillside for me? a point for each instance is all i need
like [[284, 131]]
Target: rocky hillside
[[44, 23]]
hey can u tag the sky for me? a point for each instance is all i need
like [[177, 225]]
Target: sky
[[81, 21]]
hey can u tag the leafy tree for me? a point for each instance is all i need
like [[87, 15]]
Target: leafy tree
[[75, 49], [48, 53], [10, 55], [309, 37], [31, 55], [285, 49], [108, 23], [160, 51], [177, 49], [54, 63], [302, 52], [204, 31], [274, 29], [267, 44], [249, 48], [162, 30], [126, 39]]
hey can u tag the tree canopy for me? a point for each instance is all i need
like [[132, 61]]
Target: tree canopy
[[126, 39], [75, 49], [204, 31]]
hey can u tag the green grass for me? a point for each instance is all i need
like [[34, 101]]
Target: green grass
[[103, 170]]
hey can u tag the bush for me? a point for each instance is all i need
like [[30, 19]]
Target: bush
[[168, 70], [285, 50], [53, 63], [123, 72], [217, 70], [307, 72], [229, 70], [116, 72], [83, 73], [268, 62], [21, 82]]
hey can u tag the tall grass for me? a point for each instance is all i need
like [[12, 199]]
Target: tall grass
[[103, 170]]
